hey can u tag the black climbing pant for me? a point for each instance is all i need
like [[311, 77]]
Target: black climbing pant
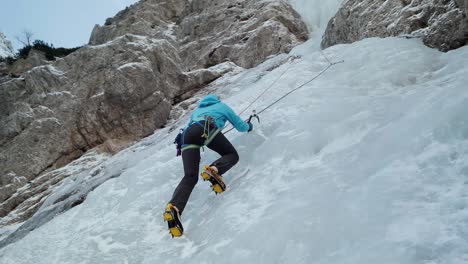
[[191, 160]]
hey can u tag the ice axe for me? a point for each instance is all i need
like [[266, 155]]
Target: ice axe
[[253, 115]]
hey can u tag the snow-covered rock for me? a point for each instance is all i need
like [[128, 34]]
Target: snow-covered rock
[[6, 48], [441, 24], [50, 194]]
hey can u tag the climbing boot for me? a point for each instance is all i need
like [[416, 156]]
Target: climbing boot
[[172, 216], [210, 173]]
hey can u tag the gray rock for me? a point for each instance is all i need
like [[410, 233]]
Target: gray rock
[[35, 58], [440, 23], [210, 32], [244, 32], [3, 69], [57, 112]]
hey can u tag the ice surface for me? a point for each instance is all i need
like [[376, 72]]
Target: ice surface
[[367, 164], [316, 13]]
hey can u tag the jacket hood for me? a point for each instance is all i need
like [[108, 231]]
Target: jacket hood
[[208, 100]]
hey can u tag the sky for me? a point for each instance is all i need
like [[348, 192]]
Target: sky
[[64, 23]]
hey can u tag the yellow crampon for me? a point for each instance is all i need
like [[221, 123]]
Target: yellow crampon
[[173, 222], [217, 184], [167, 213], [217, 188]]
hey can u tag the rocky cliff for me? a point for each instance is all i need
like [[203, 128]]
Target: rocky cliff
[[209, 32], [18, 67], [441, 24], [121, 87]]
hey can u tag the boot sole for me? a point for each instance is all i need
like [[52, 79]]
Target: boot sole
[[174, 229]]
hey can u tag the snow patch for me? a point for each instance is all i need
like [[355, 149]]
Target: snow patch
[[52, 69], [144, 65]]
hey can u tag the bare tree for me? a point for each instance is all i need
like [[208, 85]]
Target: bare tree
[[25, 38]]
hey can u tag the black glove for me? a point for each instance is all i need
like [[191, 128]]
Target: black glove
[[250, 126]]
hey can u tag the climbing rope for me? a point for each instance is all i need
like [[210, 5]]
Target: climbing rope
[[330, 64], [297, 88], [269, 87]]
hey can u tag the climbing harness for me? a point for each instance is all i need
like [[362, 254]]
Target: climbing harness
[[255, 114], [208, 135]]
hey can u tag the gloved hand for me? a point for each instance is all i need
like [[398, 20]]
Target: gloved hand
[[250, 126]]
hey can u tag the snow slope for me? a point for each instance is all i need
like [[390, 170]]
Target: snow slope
[[6, 49], [369, 163], [366, 164]]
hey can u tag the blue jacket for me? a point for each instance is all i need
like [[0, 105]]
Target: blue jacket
[[210, 105]]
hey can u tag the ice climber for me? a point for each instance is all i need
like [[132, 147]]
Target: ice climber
[[203, 129]]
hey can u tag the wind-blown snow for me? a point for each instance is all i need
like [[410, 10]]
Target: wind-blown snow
[[367, 164]]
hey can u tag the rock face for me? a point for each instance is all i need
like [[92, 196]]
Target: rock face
[[4, 68], [35, 58], [122, 86], [207, 33], [441, 24], [18, 67]]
